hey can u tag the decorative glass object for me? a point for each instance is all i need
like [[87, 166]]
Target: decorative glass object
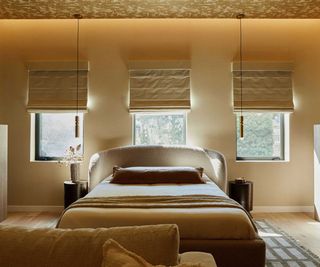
[[73, 159]]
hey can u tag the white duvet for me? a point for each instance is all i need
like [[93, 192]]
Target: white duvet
[[106, 189]]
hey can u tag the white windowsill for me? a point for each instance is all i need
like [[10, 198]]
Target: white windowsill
[[262, 161], [44, 161]]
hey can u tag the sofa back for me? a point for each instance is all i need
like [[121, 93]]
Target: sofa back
[[28, 247], [213, 162]]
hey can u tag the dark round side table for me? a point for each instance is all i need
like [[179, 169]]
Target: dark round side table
[[73, 191], [242, 193]]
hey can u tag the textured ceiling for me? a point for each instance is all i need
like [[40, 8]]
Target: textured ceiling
[[51, 9]]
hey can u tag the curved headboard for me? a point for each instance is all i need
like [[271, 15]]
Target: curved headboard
[[213, 162]]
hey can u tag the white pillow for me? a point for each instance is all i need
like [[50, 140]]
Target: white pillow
[[114, 255]]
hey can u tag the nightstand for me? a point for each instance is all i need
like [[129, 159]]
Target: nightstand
[[242, 193], [73, 191]]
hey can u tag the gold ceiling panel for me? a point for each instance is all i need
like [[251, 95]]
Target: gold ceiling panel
[[52, 9]]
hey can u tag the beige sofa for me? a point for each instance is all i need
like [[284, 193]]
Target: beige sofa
[[31, 247]]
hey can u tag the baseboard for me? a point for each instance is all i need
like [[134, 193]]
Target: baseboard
[[13, 208], [256, 209], [271, 209]]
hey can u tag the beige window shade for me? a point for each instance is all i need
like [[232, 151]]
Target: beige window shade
[[159, 89], [55, 89], [265, 87]]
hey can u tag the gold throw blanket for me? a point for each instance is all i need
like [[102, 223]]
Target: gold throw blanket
[[183, 201]]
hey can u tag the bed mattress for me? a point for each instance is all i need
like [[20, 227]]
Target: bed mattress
[[194, 223]]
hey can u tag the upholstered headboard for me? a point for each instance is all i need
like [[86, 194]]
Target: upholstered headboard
[[213, 162]]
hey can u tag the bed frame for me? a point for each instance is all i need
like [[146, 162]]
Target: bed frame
[[213, 162], [228, 253]]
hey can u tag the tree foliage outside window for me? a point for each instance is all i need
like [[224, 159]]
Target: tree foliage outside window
[[55, 134], [160, 129], [263, 136]]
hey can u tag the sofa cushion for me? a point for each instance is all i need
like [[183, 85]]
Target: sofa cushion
[[27, 247], [114, 255]]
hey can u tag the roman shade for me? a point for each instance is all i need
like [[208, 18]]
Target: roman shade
[[53, 86], [160, 85], [266, 86]]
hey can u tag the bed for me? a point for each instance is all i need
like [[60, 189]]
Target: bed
[[207, 219]]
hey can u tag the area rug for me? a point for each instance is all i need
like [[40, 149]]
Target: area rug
[[283, 250]]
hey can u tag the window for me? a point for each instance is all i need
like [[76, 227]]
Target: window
[[160, 129], [263, 136], [54, 133]]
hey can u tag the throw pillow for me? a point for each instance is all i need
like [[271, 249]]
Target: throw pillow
[[114, 255]]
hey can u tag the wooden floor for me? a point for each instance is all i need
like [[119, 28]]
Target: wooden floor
[[301, 226], [32, 219]]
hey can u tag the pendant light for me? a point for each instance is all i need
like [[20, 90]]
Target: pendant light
[[240, 16], [77, 126]]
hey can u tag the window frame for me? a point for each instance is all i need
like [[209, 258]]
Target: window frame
[[183, 113], [283, 120], [37, 138]]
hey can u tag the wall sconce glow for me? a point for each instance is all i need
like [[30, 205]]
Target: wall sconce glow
[[90, 102], [193, 99], [296, 102]]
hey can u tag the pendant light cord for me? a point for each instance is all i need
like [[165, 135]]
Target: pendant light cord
[[240, 65], [77, 66], [240, 17], [78, 16], [77, 127]]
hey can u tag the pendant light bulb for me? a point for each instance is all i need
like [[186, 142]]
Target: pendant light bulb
[[76, 126], [241, 128]]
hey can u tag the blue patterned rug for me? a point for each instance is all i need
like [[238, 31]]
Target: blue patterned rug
[[283, 250]]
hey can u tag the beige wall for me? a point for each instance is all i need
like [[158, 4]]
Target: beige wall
[[210, 45]]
